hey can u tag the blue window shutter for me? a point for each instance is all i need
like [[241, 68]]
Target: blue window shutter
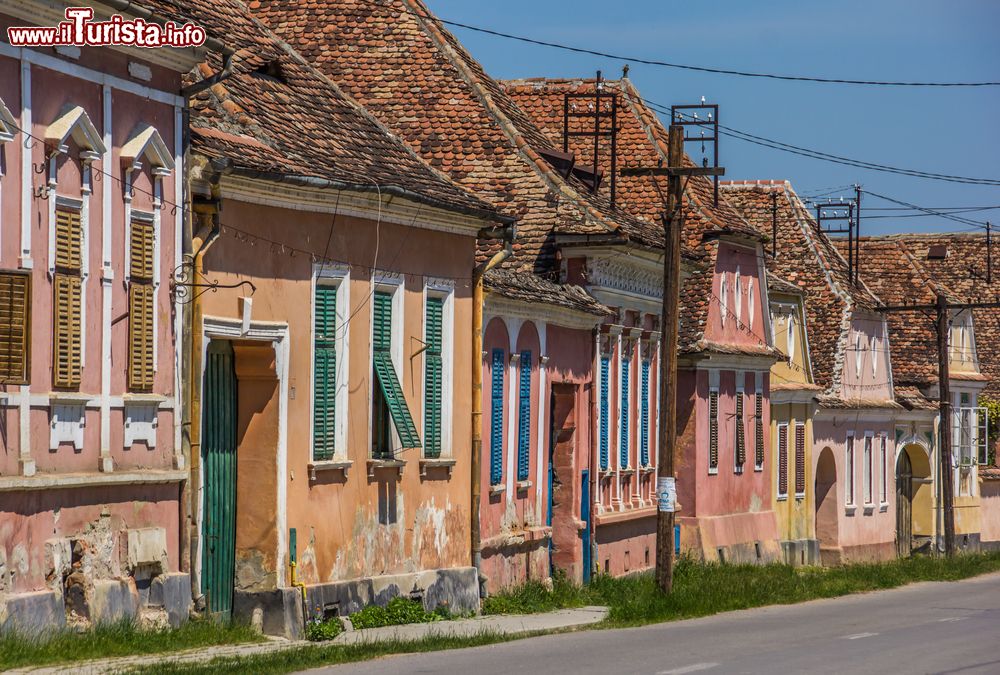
[[605, 371], [496, 418], [623, 440], [644, 415], [524, 416]]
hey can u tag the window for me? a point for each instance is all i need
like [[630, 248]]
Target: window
[[141, 305], [624, 436], [982, 435], [782, 461], [849, 472], [524, 415], [750, 305], [713, 431], [15, 316], [791, 337], [738, 283], [604, 421], [884, 466], [741, 441], [858, 354], [800, 460], [67, 304], [724, 298], [496, 417], [758, 434], [874, 356], [866, 470], [324, 372], [388, 404], [644, 415], [433, 375]]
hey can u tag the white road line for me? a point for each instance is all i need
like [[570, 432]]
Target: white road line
[[953, 618], [693, 668], [858, 636]]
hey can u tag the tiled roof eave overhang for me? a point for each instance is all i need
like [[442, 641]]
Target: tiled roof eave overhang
[[500, 305], [829, 402]]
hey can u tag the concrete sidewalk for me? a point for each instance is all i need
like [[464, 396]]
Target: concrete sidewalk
[[564, 619]]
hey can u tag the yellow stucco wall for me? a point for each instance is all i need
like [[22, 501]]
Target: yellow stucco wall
[[795, 514]]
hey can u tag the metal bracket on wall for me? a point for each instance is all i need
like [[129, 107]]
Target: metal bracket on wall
[[185, 289]]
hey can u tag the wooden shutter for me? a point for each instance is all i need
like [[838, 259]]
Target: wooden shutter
[[759, 430], [69, 240], [624, 433], [141, 250], [432, 377], [713, 430], [15, 319], [644, 415], [741, 440], [385, 372], [800, 459], [524, 416], [605, 412], [140, 336], [324, 372], [783, 460], [496, 417], [66, 308]]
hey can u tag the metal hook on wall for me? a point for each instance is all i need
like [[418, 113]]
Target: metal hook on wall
[[41, 192]]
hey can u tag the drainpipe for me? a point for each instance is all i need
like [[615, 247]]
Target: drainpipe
[[205, 211], [477, 397]]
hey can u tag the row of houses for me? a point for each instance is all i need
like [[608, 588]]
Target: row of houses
[[318, 314]]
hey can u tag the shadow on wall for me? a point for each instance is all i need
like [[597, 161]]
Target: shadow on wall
[[827, 521]]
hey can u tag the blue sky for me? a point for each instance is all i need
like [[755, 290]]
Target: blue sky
[[952, 131]]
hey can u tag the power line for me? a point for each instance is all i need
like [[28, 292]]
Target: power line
[[828, 157], [957, 219], [684, 66]]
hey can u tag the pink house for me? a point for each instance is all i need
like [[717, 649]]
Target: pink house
[[92, 476]]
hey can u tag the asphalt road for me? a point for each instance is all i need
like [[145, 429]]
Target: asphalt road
[[949, 627]]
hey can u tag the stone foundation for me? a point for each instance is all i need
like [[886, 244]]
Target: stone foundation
[[801, 552], [279, 612]]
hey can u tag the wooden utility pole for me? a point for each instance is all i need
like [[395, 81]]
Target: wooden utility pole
[[942, 309], [945, 425], [672, 225]]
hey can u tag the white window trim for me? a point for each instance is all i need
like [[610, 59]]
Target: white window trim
[[629, 406], [883, 487], [781, 496], [392, 283], [339, 276], [850, 464], [738, 279], [445, 289], [868, 470], [805, 464]]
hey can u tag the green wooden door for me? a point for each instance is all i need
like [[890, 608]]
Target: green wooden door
[[218, 456]]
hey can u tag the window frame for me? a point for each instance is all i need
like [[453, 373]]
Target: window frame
[[498, 368], [758, 426], [868, 470], [391, 284], [884, 477], [849, 470], [625, 401], [604, 412], [338, 276], [523, 459], [444, 290], [782, 462], [145, 220]]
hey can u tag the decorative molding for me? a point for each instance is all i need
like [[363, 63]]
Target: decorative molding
[[550, 314], [66, 422], [625, 277], [358, 204], [141, 423]]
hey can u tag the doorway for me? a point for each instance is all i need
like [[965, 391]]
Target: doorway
[[827, 511], [218, 457], [566, 552], [904, 505]]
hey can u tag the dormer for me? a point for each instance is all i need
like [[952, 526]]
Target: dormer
[[146, 144], [74, 122], [8, 125]]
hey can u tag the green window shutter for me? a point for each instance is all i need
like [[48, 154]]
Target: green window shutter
[[324, 372], [432, 377], [385, 372]]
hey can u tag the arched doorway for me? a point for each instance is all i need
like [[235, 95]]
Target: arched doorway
[[827, 520], [914, 501]]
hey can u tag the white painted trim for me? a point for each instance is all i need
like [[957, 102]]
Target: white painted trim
[[398, 210], [868, 469], [850, 469], [540, 446], [276, 333], [68, 481], [43, 60], [179, 222], [27, 172], [513, 362], [393, 283], [107, 275]]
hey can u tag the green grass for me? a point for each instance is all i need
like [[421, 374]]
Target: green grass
[[397, 612], [701, 589], [117, 639]]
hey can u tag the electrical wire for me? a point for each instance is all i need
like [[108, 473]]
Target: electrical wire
[[957, 219], [683, 66]]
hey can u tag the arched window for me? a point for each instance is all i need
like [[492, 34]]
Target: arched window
[[724, 298], [738, 279]]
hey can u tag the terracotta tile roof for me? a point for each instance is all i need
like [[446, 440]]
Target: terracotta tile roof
[[809, 260], [910, 398], [532, 288], [963, 271], [837, 403], [296, 122], [989, 472], [415, 76], [776, 284]]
